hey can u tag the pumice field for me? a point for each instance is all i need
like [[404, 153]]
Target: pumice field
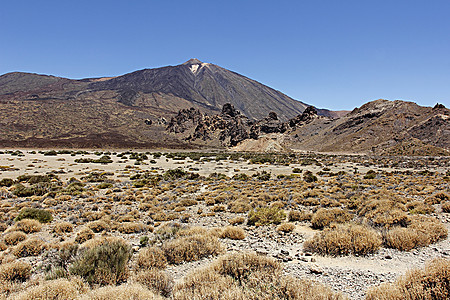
[[122, 224]]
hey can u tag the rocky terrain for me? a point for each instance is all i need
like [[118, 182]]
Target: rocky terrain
[[274, 205]]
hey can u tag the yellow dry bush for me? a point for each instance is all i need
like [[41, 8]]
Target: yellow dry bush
[[84, 235], [156, 280], [325, 216], [15, 271], [28, 226], [384, 213], [419, 207], [191, 248], [344, 239], [131, 227], [247, 276], [237, 220], [121, 292], [430, 283], [422, 232], [286, 227], [98, 226], [151, 257], [233, 233], [446, 207], [58, 289], [31, 247], [239, 206], [14, 237], [300, 216], [62, 227]]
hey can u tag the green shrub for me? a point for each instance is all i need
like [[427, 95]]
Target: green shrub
[[6, 182], [41, 215], [265, 216], [103, 264], [309, 177]]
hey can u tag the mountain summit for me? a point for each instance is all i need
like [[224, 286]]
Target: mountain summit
[[206, 86]]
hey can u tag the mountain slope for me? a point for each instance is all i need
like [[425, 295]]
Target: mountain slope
[[205, 85], [375, 126]]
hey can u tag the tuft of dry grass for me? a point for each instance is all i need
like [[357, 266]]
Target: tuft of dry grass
[[84, 235], [237, 220], [384, 213], [121, 292], [151, 257], [323, 217], [31, 247], [131, 227], [233, 233], [58, 289], [300, 216], [422, 232], [28, 226], [446, 207], [62, 227], [98, 226], [247, 276], [430, 283], [15, 271], [344, 239], [14, 237], [157, 281], [286, 227], [191, 248]]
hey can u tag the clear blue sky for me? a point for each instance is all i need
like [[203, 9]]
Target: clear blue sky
[[328, 53]]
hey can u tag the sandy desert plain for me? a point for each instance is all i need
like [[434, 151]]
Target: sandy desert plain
[[110, 224]]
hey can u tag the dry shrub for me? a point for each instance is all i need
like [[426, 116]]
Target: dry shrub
[[157, 281], [232, 232], [418, 207], [437, 198], [15, 271], [58, 289], [300, 216], [121, 292], [344, 239], [324, 217], [98, 226], [219, 208], [247, 276], [237, 220], [446, 207], [14, 237], [3, 246], [84, 235], [286, 227], [151, 257], [422, 232], [239, 206], [191, 248], [385, 213], [131, 227], [31, 247], [430, 283], [62, 227], [28, 226]]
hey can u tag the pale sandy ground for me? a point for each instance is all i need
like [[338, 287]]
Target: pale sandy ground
[[65, 163]]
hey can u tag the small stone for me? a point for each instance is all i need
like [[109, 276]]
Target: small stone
[[308, 254], [315, 270], [313, 259], [284, 252], [388, 257]]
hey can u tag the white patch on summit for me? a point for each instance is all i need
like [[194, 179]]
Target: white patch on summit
[[194, 68]]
